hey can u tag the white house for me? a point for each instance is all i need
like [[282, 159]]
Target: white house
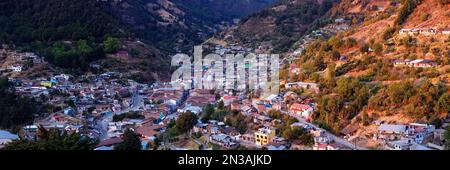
[[16, 67], [400, 144], [194, 109], [301, 109], [392, 129]]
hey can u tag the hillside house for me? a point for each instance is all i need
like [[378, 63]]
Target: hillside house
[[16, 67], [418, 31], [301, 109], [392, 129], [404, 144], [224, 141], [122, 54], [272, 146], [445, 31], [229, 99], [324, 146], [264, 136], [418, 63]]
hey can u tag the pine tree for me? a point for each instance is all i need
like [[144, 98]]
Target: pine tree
[[131, 141]]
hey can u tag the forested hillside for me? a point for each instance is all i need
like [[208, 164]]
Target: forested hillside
[[281, 25]]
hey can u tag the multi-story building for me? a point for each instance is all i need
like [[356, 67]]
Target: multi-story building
[[264, 136]]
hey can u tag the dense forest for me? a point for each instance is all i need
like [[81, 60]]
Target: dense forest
[[282, 25], [28, 21], [43, 26]]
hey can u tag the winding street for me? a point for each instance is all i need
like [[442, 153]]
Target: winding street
[[102, 124], [335, 138]]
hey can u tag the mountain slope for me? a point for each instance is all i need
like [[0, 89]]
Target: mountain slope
[[27, 21], [71, 34], [177, 25], [279, 26], [359, 72]]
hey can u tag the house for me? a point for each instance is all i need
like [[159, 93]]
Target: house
[[6, 137], [349, 130], [264, 136], [224, 141], [419, 132], [16, 67], [110, 142], [422, 63], [320, 146], [333, 146], [200, 127], [445, 31], [229, 99], [122, 54], [417, 31], [230, 131], [304, 85], [69, 111], [261, 119], [322, 139], [261, 108], [235, 106], [392, 129], [276, 146], [271, 99], [247, 138], [194, 109], [401, 62], [301, 109], [103, 108], [290, 95], [294, 68], [148, 132], [200, 101], [400, 144], [418, 63]]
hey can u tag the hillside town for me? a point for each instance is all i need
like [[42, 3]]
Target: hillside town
[[362, 76], [103, 106]]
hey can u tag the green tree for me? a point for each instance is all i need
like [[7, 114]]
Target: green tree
[[364, 48], [274, 114], [220, 105], [378, 48], [388, 32], [54, 139], [443, 104], [186, 121], [111, 45], [330, 75], [131, 141], [84, 48], [207, 112]]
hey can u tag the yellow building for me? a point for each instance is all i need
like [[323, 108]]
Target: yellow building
[[264, 136], [46, 83]]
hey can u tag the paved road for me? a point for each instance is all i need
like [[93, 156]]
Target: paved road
[[102, 124], [136, 103], [337, 139]]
